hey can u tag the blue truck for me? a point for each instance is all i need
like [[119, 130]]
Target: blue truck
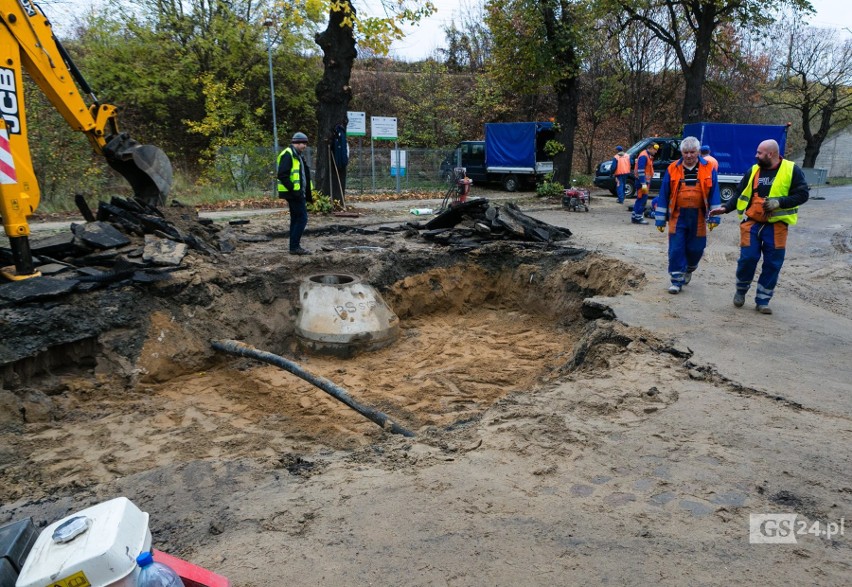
[[733, 146], [512, 155]]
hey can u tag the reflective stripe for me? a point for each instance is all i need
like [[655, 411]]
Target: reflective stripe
[[784, 212], [780, 187], [8, 175]]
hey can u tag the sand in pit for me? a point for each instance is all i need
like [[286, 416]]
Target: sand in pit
[[466, 341]]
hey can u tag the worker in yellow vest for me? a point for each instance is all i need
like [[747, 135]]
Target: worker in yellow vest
[[295, 186], [770, 196]]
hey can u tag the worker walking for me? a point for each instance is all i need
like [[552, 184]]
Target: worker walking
[[294, 185], [705, 154], [621, 171], [768, 204], [689, 190], [644, 170]]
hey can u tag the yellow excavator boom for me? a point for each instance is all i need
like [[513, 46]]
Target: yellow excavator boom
[[27, 44]]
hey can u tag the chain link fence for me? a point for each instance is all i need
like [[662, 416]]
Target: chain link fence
[[370, 170]]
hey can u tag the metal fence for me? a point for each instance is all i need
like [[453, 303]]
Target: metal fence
[[815, 176], [376, 169], [370, 170]]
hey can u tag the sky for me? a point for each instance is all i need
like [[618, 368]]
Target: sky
[[425, 38]]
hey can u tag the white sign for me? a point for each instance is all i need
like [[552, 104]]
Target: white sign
[[357, 126], [401, 158], [383, 128]]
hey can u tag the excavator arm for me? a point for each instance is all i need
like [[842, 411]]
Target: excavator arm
[[27, 44]]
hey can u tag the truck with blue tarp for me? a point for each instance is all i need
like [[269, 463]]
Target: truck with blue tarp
[[733, 145], [512, 155]]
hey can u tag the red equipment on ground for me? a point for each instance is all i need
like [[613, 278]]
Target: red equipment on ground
[[458, 191], [576, 199]]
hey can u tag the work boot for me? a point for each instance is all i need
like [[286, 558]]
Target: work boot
[[763, 309], [638, 221], [674, 289], [300, 251], [739, 299], [687, 277]]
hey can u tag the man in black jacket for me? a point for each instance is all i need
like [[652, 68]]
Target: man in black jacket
[[294, 185]]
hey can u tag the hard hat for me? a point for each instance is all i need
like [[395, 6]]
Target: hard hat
[[619, 148], [705, 148], [299, 137]]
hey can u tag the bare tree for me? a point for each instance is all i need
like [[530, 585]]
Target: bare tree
[[468, 47], [689, 27], [814, 78]]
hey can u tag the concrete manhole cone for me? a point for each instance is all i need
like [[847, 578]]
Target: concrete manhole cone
[[342, 316]]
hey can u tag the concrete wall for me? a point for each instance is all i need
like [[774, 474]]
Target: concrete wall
[[835, 155]]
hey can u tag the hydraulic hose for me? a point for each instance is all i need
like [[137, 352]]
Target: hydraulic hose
[[241, 349]]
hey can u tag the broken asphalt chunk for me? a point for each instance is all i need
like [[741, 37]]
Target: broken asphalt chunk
[[163, 251], [100, 235], [35, 289]]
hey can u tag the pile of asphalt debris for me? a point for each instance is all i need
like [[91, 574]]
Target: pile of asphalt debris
[[472, 223], [126, 241]]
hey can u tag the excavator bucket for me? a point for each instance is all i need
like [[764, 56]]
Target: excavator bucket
[[145, 167]]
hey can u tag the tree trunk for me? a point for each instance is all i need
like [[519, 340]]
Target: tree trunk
[[695, 74], [693, 99], [567, 94], [811, 153], [333, 95]]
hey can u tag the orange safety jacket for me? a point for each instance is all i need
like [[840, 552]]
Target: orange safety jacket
[[623, 164], [704, 186], [649, 166]]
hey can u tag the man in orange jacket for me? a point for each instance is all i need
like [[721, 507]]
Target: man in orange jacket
[[644, 171], [705, 154], [621, 171], [689, 190]]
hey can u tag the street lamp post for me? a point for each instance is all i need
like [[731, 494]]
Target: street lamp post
[[268, 24]]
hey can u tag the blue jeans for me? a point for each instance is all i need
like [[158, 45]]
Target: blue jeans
[[298, 220], [620, 184]]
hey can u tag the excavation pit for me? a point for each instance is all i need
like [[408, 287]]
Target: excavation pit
[[471, 331]]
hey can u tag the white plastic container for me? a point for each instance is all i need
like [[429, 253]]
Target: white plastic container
[[97, 546]]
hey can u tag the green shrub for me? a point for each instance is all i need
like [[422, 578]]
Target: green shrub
[[321, 203], [549, 188]]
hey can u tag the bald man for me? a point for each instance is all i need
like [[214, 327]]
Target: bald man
[[770, 196]]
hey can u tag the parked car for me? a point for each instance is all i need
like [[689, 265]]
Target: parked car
[[669, 151]]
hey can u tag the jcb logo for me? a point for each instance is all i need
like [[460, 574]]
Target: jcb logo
[[9, 101], [28, 6]]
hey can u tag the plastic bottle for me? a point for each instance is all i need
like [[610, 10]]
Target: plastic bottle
[[154, 574], [421, 211]]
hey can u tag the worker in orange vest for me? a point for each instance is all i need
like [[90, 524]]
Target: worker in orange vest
[[705, 154], [644, 171], [621, 171], [688, 191]]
